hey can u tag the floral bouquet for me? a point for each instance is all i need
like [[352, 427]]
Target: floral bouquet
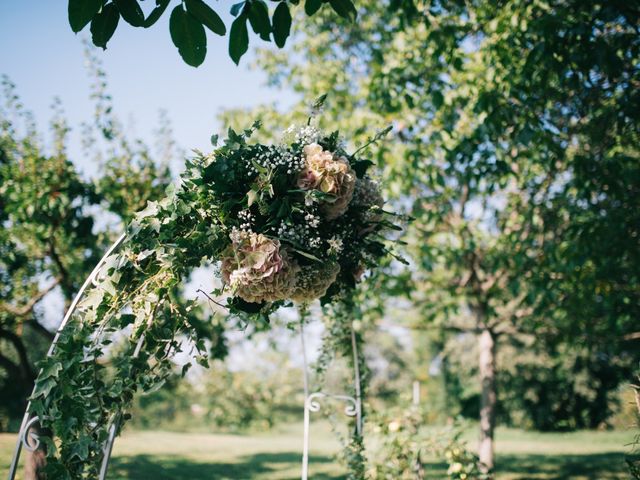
[[289, 222], [303, 218]]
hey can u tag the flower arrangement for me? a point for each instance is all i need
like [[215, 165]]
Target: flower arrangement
[[285, 223], [303, 218]]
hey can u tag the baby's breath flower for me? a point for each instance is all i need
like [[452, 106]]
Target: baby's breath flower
[[312, 281], [335, 245]]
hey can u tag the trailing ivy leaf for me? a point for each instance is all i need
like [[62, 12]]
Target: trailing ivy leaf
[[259, 19], [44, 386], [131, 12], [344, 8], [281, 24], [104, 24], [81, 12], [50, 370], [189, 36], [206, 15], [156, 13], [238, 39], [80, 448], [312, 6]]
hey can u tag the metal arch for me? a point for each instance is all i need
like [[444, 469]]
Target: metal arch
[[31, 440], [312, 404]]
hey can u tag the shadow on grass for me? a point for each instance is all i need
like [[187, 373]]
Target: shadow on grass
[[164, 467], [596, 466], [599, 466], [604, 466]]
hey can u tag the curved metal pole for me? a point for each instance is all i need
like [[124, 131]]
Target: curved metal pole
[[305, 375], [356, 372], [311, 403], [27, 421], [108, 447]]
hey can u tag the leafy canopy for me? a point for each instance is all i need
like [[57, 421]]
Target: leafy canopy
[[190, 17]]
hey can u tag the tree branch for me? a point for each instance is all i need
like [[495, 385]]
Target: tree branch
[[40, 329], [64, 273], [25, 309]]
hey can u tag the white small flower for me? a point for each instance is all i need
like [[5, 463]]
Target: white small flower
[[335, 245]]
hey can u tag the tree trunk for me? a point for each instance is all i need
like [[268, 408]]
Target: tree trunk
[[34, 462], [488, 398]]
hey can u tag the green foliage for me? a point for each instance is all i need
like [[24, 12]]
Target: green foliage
[[104, 25], [515, 149], [207, 16], [238, 38], [281, 24], [52, 218], [189, 18], [133, 315], [81, 12], [404, 446], [188, 35], [223, 399]]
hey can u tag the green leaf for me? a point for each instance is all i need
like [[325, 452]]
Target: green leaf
[[104, 24], [80, 448], [281, 24], [205, 14], [44, 387], [81, 12], [307, 255], [235, 9], [189, 36], [259, 19], [131, 12], [438, 99], [312, 6], [344, 8], [238, 39], [51, 370], [156, 13], [361, 167], [244, 306]]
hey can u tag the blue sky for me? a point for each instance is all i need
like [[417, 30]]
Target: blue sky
[[44, 58]]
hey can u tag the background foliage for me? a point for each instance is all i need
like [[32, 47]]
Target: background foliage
[[515, 148]]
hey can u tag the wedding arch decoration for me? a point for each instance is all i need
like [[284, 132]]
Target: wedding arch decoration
[[282, 224]]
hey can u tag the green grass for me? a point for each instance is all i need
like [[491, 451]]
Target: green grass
[[277, 455]]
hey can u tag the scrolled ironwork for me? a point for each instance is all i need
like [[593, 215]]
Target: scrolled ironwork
[[30, 439], [26, 438], [353, 406]]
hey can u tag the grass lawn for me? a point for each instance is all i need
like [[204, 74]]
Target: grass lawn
[[277, 454]]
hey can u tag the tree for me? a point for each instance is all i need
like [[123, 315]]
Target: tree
[[50, 239], [516, 148], [189, 19]]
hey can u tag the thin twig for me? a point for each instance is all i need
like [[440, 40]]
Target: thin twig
[[211, 299]]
